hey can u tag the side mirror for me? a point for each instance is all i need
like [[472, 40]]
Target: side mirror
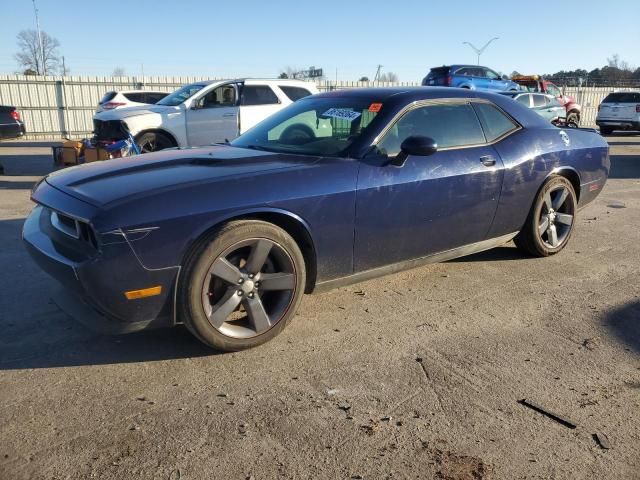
[[418, 145]]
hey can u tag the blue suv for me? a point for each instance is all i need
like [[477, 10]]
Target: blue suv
[[468, 76]]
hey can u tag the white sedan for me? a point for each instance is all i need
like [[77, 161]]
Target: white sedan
[[201, 113]]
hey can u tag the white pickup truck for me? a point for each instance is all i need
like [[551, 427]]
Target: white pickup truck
[[201, 113]]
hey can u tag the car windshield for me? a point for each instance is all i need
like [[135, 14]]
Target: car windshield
[[180, 95], [313, 126]]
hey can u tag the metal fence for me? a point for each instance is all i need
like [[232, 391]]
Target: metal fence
[[55, 107]]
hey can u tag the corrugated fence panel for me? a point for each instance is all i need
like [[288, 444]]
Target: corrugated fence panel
[[54, 107]]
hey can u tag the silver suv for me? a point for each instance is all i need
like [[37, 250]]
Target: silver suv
[[619, 111]]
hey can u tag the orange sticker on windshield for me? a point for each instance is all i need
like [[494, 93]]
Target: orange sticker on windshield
[[375, 107]]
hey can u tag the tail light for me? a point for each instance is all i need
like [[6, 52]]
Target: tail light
[[638, 108], [112, 105], [448, 81], [15, 115]]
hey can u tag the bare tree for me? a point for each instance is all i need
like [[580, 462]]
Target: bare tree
[[388, 77], [118, 72], [364, 79], [31, 57]]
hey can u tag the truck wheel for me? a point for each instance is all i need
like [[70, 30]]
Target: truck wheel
[[154, 141], [573, 120]]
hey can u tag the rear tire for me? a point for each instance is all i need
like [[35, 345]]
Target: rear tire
[[606, 130], [242, 285], [549, 225]]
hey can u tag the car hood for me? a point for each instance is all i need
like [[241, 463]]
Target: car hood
[[127, 112], [116, 180]]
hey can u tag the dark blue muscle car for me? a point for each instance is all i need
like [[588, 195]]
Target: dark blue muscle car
[[336, 188]]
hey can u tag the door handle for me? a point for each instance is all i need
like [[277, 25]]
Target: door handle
[[229, 115], [487, 160]]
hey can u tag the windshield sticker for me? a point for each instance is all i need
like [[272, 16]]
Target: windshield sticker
[[342, 113], [375, 107]]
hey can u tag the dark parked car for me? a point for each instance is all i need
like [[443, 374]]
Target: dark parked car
[[11, 125], [336, 188], [472, 77]]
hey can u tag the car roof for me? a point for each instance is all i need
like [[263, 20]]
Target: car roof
[[458, 65], [249, 79]]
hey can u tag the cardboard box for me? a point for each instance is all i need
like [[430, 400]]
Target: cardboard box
[[71, 151], [94, 154]]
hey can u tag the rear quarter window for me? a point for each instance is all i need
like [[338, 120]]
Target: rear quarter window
[[494, 121], [622, 97], [107, 97], [135, 97], [294, 93]]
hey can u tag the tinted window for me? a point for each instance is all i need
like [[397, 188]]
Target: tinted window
[[494, 122], [464, 71], [622, 97], [134, 97], [539, 101], [154, 97], [524, 99], [491, 74], [294, 93], [107, 97], [449, 125], [258, 95]]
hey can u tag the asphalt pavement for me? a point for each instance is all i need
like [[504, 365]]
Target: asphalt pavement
[[413, 375]]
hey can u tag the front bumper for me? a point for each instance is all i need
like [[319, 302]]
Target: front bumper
[[96, 277], [619, 124]]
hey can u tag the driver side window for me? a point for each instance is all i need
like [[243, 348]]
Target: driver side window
[[451, 125], [224, 96]]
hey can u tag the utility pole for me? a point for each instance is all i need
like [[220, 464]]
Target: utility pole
[[64, 68], [42, 60], [377, 75], [480, 50]]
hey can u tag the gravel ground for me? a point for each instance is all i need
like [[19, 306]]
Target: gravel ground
[[414, 375]]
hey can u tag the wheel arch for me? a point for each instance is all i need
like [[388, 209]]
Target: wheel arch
[[157, 130], [570, 174], [291, 223]]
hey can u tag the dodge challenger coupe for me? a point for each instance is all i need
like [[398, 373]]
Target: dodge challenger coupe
[[336, 188]]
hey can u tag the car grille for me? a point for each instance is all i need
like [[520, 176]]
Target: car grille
[[109, 130]]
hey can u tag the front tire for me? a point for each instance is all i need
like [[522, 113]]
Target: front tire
[[549, 225], [154, 141], [606, 130], [242, 285]]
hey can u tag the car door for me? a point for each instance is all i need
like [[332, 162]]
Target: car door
[[213, 116], [257, 102], [432, 203], [495, 81]]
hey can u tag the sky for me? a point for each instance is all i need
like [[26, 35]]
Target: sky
[[348, 38]]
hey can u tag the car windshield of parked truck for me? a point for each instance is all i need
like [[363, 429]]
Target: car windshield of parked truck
[[180, 95], [313, 126]]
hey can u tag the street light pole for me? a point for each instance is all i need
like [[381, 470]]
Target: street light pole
[[42, 60], [479, 51]]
